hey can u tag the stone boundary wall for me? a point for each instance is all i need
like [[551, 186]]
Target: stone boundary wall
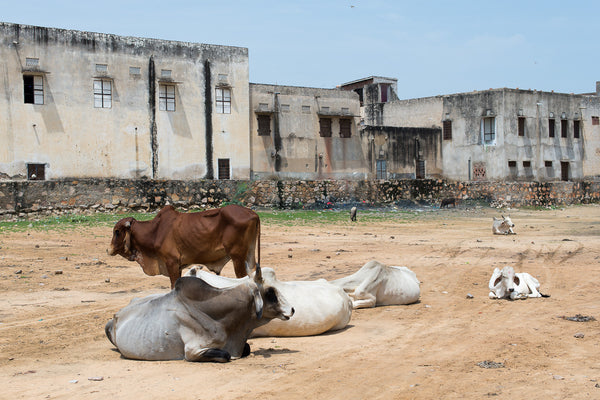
[[19, 198]]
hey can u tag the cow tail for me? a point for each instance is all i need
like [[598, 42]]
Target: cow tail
[[258, 249]]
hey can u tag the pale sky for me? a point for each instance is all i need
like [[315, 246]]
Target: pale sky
[[431, 47]]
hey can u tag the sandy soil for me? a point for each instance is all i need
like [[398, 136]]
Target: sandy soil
[[52, 324]]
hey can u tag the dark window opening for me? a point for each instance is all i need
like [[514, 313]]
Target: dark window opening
[[551, 126], [512, 164], [420, 173], [36, 172], [360, 95], [384, 87], [223, 168], [447, 130], [564, 170], [325, 127], [521, 126], [548, 164], [595, 120], [345, 128], [33, 89], [526, 164], [576, 129], [264, 125], [563, 128]]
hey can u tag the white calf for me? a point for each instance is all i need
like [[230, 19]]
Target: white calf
[[318, 305], [506, 284], [376, 284], [503, 226]]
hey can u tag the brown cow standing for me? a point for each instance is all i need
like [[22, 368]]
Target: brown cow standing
[[174, 240]]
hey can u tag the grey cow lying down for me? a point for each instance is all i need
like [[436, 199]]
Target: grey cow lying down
[[196, 321], [376, 284], [506, 284], [318, 305]]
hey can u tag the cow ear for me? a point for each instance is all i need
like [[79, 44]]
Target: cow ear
[[517, 281], [258, 303], [127, 241], [128, 224], [497, 281]]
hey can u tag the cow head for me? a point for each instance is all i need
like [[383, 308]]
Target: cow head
[[268, 301], [504, 282], [121, 240], [507, 222]]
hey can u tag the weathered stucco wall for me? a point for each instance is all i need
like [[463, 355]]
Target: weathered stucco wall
[[17, 198], [295, 149], [133, 137]]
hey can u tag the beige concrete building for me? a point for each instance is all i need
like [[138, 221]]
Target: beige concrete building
[[508, 134], [83, 104]]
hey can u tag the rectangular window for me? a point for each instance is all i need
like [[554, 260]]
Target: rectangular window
[[223, 100], [285, 108], [576, 129], [564, 128], [512, 164], [102, 68], [548, 164], [135, 71], [166, 97], [264, 124], [32, 62], [595, 120], [489, 130], [381, 169], [165, 73], [102, 93], [325, 109], [447, 130], [551, 126], [521, 126], [325, 127], [526, 164], [33, 89], [36, 172], [223, 168], [345, 128], [305, 109], [564, 170]]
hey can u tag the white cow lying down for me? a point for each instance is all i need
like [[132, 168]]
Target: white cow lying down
[[376, 284], [506, 284], [318, 306], [503, 226]]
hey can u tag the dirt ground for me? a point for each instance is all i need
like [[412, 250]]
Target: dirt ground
[[52, 315]]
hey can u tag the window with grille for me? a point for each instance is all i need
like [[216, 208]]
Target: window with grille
[[102, 93], [223, 98], [264, 124], [564, 128], [345, 128], [166, 97], [36, 172], [325, 127], [33, 89], [223, 165], [489, 130], [576, 129], [447, 130], [551, 126], [521, 127], [381, 169]]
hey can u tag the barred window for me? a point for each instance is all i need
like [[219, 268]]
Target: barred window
[[223, 96], [325, 127], [447, 130], [264, 124], [345, 128]]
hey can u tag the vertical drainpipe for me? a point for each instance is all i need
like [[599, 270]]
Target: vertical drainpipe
[[276, 133], [152, 108], [210, 174]]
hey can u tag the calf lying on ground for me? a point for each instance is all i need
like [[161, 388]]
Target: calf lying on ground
[[196, 321], [503, 226], [376, 284], [318, 305], [506, 284]]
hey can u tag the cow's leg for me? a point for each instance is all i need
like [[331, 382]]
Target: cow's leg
[[174, 272], [361, 298], [206, 354]]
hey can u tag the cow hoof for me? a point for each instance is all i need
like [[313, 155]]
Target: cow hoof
[[216, 355], [246, 351]]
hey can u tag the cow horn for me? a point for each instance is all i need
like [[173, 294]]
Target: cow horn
[[258, 302], [258, 274], [128, 224]]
